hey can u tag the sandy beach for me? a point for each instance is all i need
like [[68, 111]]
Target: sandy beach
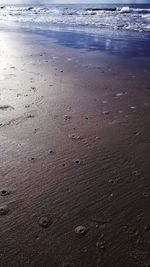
[[75, 147]]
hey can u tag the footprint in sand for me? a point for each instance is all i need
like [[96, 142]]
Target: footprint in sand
[[77, 162], [27, 106], [6, 107], [4, 193], [33, 88], [36, 130], [3, 210]]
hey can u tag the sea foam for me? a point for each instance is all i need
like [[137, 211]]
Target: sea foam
[[137, 19]]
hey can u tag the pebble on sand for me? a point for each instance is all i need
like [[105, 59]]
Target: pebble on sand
[[30, 116], [31, 159], [3, 210], [45, 222], [120, 94], [36, 130], [106, 112], [111, 181], [100, 245], [50, 151], [146, 194], [147, 228], [81, 230], [86, 117]]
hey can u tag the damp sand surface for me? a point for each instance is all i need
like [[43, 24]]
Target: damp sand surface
[[74, 161]]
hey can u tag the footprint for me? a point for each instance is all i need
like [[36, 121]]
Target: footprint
[[4, 193], [33, 88], [3, 210], [6, 107], [77, 162], [36, 130]]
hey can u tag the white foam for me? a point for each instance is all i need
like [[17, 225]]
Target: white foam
[[118, 18], [125, 9]]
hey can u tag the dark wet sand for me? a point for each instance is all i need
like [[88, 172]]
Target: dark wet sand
[[75, 151]]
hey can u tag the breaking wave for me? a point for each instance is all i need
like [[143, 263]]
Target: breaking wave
[[137, 19]]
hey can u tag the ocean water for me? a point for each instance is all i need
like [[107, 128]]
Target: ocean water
[[132, 17], [117, 30]]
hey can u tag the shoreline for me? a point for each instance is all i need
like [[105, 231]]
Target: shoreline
[[121, 43], [74, 150]]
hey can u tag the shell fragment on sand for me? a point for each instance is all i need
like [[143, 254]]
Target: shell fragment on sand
[[74, 136], [81, 230], [45, 222]]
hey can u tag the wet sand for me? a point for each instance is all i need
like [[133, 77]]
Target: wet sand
[[75, 147]]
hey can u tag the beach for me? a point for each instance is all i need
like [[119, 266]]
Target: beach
[[75, 146]]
